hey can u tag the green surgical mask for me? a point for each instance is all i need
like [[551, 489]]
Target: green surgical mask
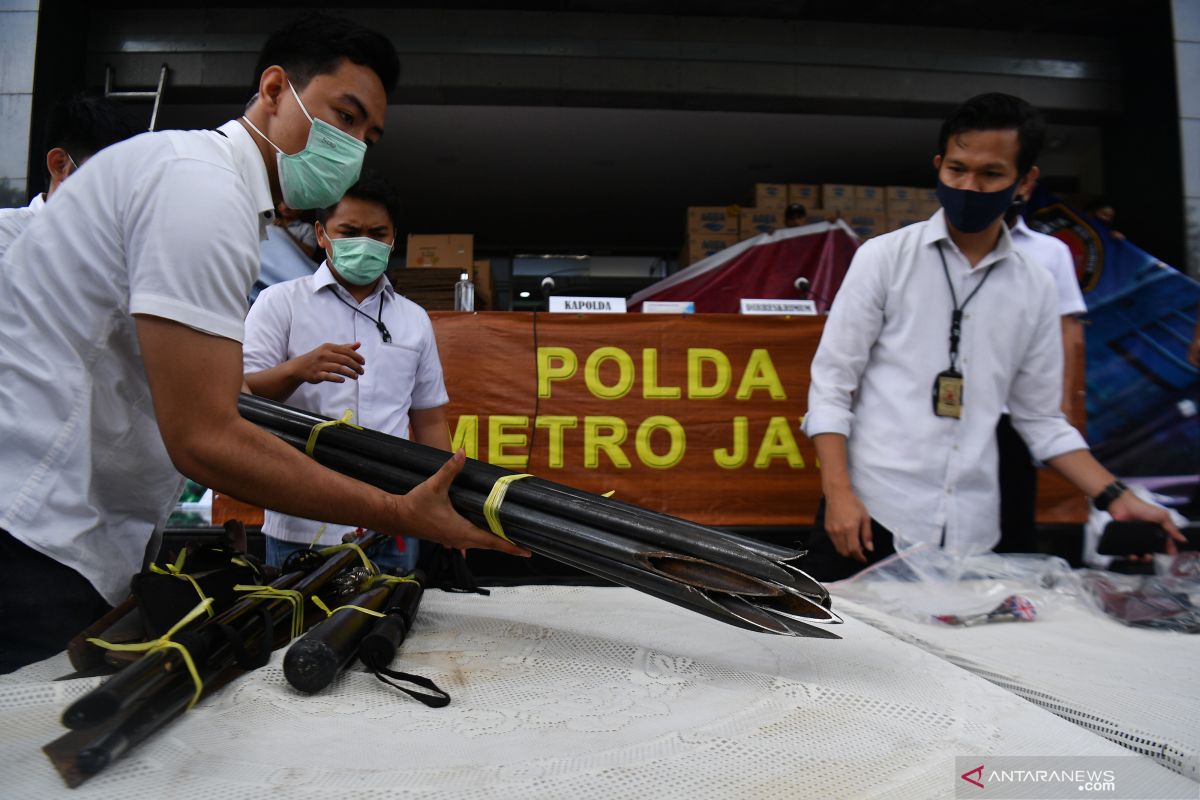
[[320, 174], [359, 259]]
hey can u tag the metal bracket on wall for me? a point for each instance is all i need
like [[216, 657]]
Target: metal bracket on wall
[[155, 95]]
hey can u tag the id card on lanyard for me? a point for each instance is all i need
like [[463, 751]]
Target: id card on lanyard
[[948, 385]]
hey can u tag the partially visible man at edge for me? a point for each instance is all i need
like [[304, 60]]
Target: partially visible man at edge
[[120, 341], [78, 128]]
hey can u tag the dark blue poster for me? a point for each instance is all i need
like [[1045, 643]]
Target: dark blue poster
[[1142, 394]]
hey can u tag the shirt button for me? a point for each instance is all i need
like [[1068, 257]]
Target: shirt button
[[949, 490]]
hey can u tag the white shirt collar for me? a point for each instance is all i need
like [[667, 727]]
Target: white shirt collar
[[37, 203], [1020, 228], [250, 166], [936, 232], [324, 277]]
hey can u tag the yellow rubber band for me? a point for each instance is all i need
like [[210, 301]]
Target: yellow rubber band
[[271, 593], [351, 546], [609, 493], [329, 613], [320, 532], [176, 570], [164, 642], [495, 498], [320, 426], [390, 580]]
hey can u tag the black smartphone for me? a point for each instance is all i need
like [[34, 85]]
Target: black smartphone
[[1135, 538]]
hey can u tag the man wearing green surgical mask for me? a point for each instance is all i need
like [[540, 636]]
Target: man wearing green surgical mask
[[343, 339], [121, 340]]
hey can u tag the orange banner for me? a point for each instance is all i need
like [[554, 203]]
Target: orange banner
[[696, 416]]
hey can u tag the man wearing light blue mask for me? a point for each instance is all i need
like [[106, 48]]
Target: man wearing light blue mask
[[935, 329], [121, 340], [343, 339]]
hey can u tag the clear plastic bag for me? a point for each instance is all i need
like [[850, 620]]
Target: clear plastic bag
[[927, 584], [1168, 601]]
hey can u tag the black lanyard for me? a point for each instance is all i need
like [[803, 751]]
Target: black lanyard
[[956, 317], [379, 326]]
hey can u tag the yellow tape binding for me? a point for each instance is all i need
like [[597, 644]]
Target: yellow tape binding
[[320, 531], [271, 593], [495, 498], [329, 613], [241, 562], [390, 580], [164, 642], [320, 426], [370, 565], [176, 570]]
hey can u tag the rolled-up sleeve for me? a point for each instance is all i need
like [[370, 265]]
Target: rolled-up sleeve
[[268, 326], [851, 330], [1035, 399]]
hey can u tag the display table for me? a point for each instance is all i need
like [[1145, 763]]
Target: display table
[[1134, 686], [573, 692]]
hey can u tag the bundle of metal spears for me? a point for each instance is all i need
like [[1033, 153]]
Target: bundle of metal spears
[[361, 613], [731, 578]]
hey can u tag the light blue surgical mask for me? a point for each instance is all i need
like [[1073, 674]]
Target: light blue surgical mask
[[320, 174], [359, 259]]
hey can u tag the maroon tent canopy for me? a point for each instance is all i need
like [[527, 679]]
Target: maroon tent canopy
[[765, 267]]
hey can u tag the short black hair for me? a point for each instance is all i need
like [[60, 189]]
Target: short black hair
[[316, 43], [84, 125], [373, 188], [1097, 203], [795, 210], [996, 111]]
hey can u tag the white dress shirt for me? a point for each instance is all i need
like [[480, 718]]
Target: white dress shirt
[[165, 224], [295, 317], [886, 340], [1054, 255], [15, 220]]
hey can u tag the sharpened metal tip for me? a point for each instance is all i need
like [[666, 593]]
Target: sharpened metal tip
[[747, 612], [799, 608]]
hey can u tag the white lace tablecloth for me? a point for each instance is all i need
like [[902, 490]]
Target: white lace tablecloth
[[1138, 687], [574, 693]]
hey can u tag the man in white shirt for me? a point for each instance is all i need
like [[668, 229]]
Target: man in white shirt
[[1017, 471], [935, 329], [78, 128], [120, 340], [343, 339]]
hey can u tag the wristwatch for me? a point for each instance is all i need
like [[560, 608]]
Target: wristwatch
[[1111, 492]]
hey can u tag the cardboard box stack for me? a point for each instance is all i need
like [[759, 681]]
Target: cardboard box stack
[[709, 230], [806, 194], [758, 220], [434, 263], [909, 204], [446, 251], [770, 196], [869, 210]]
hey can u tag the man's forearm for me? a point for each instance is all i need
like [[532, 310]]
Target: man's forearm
[[835, 472], [1083, 470], [429, 427], [243, 460], [277, 383]]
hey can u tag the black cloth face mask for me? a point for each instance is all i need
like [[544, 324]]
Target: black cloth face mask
[[971, 212]]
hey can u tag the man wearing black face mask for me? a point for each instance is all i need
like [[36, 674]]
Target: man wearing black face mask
[[936, 328]]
